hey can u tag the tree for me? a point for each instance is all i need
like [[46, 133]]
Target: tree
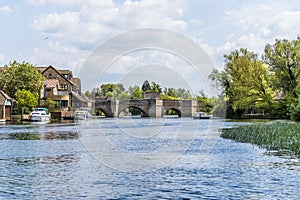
[[204, 103], [283, 57], [50, 104], [246, 81], [111, 90], [88, 93], [135, 93], [25, 100], [146, 86], [172, 92], [156, 87], [183, 93], [123, 96], [21, 76]]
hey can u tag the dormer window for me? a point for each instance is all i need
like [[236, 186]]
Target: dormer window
[[64, 87]]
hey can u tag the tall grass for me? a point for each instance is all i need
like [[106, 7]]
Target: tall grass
[[278, 136]]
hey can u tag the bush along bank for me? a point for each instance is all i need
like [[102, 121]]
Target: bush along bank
[[274, 136]]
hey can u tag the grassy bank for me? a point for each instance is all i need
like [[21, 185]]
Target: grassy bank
[[278, 136]]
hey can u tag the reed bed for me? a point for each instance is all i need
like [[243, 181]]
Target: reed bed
[[274, 136]]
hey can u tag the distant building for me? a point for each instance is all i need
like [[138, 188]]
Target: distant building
[[61, 87], [5, 106]]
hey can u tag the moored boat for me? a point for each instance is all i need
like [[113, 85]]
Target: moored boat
[[201, 115], [82, 114], [39, 115]]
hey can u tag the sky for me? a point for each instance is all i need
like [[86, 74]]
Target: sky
[[66, 34]]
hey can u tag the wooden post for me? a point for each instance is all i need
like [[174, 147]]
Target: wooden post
[[22, 114]]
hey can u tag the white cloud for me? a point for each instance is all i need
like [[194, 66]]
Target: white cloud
[[6, 9], [96, 20], [275, 20], [286, 23], [255, 25], [55, 2], [58, 55]]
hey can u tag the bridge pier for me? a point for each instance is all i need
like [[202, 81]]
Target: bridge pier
[[156, 108]]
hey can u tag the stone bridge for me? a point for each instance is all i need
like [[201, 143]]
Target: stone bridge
[[147, 107]]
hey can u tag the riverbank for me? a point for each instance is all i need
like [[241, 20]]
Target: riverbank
[[282, 137]]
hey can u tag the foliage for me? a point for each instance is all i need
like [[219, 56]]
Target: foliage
[[283, 57], [114, 91], [167, 97], [279, 136], [156, 87], [294, 109], [21, 76], [25, 99], [135, 111], [176, 94], [219, 107], [245, 80], [111, 90], [146, 86], [50, 104], [135, 93], [88, 93], [204, 103], [123, 96]]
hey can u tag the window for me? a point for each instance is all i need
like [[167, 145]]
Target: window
[[64, 87]]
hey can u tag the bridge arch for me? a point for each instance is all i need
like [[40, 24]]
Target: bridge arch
[[99, 111], [143, 113], [173, 111]]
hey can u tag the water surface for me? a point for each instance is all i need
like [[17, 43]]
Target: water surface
[[138, 159]]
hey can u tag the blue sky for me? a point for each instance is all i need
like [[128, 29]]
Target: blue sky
[[64, 33]]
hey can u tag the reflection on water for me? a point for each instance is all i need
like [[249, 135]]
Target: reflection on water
[[36, 131], [52, 161]]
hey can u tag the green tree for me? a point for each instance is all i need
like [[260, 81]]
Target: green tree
[[21, 76], [146, 86], [88, 93], [246, 82], [204, 103], [50, 104], [155, 87], [25, 100], [135, 93], [123, 96], [111, 90], [183, 94], [283, 57], [172, 92]]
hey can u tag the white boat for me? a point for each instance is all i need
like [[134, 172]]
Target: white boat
[[39, 115], [82, 114], [201, 115]]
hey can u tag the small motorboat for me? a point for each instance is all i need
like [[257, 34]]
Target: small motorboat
[[201, 115], [39, 115], [82, 114]]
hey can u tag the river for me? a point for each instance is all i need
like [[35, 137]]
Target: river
[[143, 158]]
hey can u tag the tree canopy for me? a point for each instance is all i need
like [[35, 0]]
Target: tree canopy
[[25, 99], [283, 57], [246, 81], [21, 76]]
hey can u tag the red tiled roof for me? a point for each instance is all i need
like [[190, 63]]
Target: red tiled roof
[[51, 83]]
